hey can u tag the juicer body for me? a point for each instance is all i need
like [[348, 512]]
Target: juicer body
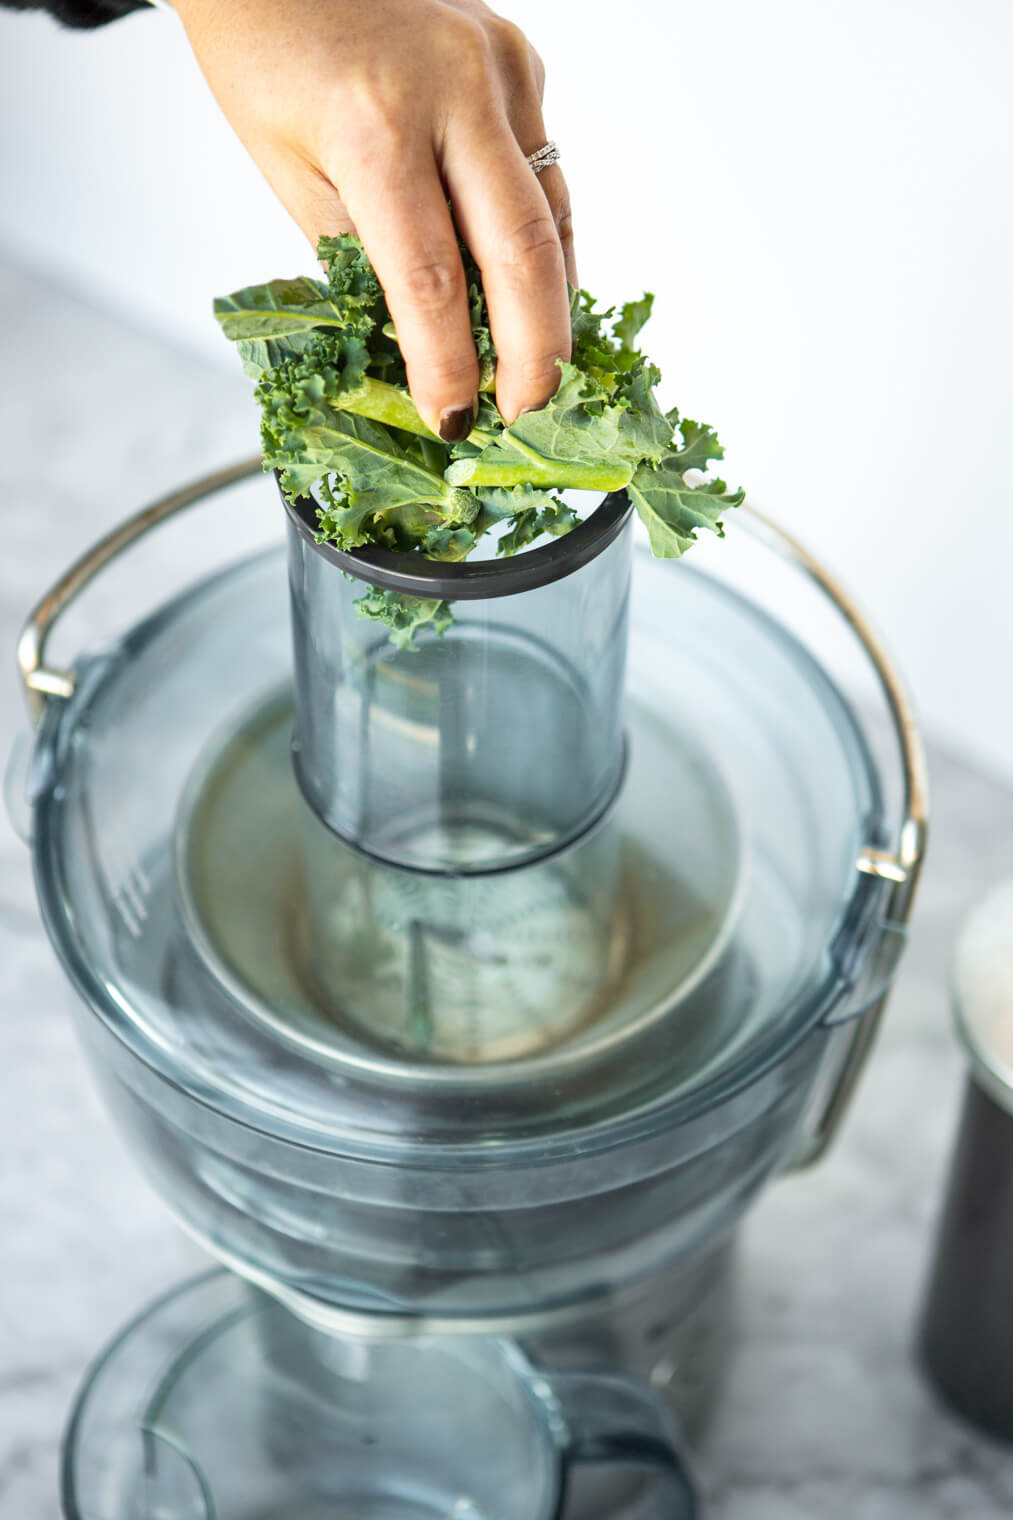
[[583, 1197], [450, 1241]]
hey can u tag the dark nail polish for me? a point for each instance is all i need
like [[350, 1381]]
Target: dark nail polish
[[456, 424]]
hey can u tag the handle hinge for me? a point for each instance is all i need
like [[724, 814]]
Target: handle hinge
[[883, 864]]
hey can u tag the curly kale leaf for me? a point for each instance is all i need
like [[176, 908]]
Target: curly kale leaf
[[279, 309], [579, 439], [529, 525], [672, 510], [404, 616], [351, 278], [634, 316], [379, 476]]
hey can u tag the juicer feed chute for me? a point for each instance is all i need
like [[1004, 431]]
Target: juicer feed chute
[[490, 747], [422, 1044], [460, 874]]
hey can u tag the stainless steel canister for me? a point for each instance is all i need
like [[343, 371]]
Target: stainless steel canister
[[966, 1338]]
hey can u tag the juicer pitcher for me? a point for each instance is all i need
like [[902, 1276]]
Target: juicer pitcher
[[245, 1419]]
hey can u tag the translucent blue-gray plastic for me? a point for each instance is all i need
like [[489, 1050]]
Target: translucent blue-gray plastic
[[509, 1189], [489, 747], [216, 1404]]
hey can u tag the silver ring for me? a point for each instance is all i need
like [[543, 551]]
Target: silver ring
[[544, 157]]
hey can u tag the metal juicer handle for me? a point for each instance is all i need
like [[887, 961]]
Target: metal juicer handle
[[898, 867], [42, 681]]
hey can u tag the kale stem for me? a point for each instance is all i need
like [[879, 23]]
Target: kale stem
[[524, 448], [391, 404], [385, 403], [559, 474]]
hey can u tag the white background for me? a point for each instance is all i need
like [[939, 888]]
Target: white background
[[820, 194]]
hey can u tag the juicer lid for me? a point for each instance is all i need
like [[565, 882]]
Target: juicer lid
[[762, 736]]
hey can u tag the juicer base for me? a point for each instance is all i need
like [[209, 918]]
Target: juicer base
[[216, 1402]]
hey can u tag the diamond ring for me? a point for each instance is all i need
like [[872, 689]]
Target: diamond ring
[[542, 157]]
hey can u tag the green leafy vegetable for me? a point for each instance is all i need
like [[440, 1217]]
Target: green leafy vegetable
[[404, 615], [338, 424]]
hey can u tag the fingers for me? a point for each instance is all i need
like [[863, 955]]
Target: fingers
[[435, 337], [393, 195], [506, 220], [521, 64], [311, 201], [554, 189], [379, 177]]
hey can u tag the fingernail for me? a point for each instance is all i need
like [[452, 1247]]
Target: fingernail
[[457, 422]]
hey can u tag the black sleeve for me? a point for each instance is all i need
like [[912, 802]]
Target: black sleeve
[[83, 13]]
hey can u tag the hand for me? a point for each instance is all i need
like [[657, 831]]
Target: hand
[[367, 116]]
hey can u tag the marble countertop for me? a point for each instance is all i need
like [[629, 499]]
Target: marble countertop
[[825, 1417]]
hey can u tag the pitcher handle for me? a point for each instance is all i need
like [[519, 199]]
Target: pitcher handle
[[614, 1421]]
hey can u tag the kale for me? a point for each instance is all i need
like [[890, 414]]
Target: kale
[[338, 423]]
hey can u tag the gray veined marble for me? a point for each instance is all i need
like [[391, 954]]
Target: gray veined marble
[[825, 1416]]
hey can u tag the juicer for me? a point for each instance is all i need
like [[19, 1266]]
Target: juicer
[[459, 998]]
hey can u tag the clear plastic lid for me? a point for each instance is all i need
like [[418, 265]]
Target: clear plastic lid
[[176, 888]]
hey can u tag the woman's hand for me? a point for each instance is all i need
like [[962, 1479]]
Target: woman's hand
[[368, 115]]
